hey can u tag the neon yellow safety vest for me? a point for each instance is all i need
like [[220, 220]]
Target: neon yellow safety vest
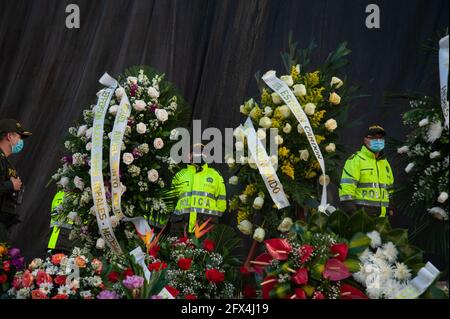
[[367, 180], [200, 192], [56, 202]]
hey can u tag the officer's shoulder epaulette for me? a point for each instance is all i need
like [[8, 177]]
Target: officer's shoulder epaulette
[[214, 171]]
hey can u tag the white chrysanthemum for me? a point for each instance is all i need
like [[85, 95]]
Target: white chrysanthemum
[[390, 252], [375, 239], [81, 130], [233, 180], [434, 132], [424, 122], [443, 196], [366, 256], [435, 154], [409, 167], [402, 272], [360, 277], [403, 149], [391, 288]]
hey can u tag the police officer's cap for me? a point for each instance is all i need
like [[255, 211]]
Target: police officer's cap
[[11, 125], [375, 130]]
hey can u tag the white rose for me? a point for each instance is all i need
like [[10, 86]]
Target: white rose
[[154, 94], [64, 181], [424, 122], [268, 111], [161, 115], [258, 203], [132, 80], [324, 179], [310, 108], [243, 198], [113, 109], [88, 146], [153, 175], [89, 132], [304, 155], [336, 81], [259, 234], [119, 92], [81, 130], [100, 244], [245, 227], [300, 129], [330, 148], [265, 122], [279, 140], [285, 225], [435, 154], [139, 105], [331, 125], [299, 90], [284, 111], [239, 146], [438, 213], [287, 128], [127, 158], [403, 149], [233, 180], [158, 143], [141, 128], [261, 134], [173, 134], [334, 99], [276, 99], [287, 79], [230, 162], [442, 197], [78, 183], [409, 167]]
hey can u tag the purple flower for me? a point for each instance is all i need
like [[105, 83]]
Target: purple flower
[[153, 107], [14, 252], [133, 282], [156, 297], [130, 122], [133, 89], [18, 263], [136, 153], [107, 294], [67, 159]]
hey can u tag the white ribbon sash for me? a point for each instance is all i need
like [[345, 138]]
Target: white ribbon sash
[[291, 101], [425, 277], [97, 185], [443, 75], [120, 123], [139, 258], [267, 171]]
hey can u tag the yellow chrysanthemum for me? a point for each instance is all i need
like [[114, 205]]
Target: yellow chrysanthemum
[[320, 138], [295, 74], [316, 118], [288, 169], [266, 98], [276, 123], [242, 215], [312, 79], [250, 190], [283, 152], [310, 174]]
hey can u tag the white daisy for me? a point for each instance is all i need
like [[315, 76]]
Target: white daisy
[[402, 272], [64, 290], [46, 287], [390, 251]]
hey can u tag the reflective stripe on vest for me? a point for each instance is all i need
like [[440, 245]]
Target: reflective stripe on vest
[[53, 238]]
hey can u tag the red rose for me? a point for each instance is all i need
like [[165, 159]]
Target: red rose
[[113, 276], [42, 277], [60, 296], [3, 278], [209, 245], [184, 263], [60, 280], [56, 259], [182, 240], [191, 297], [249, 291], [340, 251], [174, 292], [305, 252], [6, 265], [214, 276], [128, 272], [300, 277], [244, 271], [318, 295], [159, 265], [154, 251], [38, 294], [300, 293]]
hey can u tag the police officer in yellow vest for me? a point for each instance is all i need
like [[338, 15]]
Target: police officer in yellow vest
[[367, 178], [202, 194], [59, 231]]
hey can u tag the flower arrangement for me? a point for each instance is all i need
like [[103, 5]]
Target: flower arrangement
[[145, 170], [11, 262], [324, 98]]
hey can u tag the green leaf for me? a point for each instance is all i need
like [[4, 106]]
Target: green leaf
[[352, 264], [383, 226], [358, 243], [434, 293], [317, 222], [410, 254], [398, 236], [338, 222], [360, 222]]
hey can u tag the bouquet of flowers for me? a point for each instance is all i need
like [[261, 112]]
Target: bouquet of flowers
[[145, 170], [11, 262], [324, 98]]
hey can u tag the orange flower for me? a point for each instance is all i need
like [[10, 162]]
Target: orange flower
[[3, 250], [199, 231], [56, 259], [38, 294], [80, 261]]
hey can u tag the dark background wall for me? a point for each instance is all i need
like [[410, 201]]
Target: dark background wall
[[210, 49]]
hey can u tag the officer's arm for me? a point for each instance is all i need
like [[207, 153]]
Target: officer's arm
[[221, 196], [348, 185], [6, 187], [390, 189]]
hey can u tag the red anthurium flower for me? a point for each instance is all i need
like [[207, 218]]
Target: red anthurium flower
[[300, 293], [190, 297], [244, 271], [174, 292], [113, 276], [42, 277], [305, 252], [350, 292], [159, 265], [154, 251], [300, 277], [260, 262], [335, 270], [214, 276], [318, 295], [278, 248], [209, 245], [184, 263], [128, 272], [341, 250], [249, 292], [267, 285]]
